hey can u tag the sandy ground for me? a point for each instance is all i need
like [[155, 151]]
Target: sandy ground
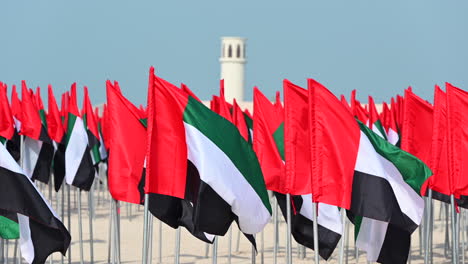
[[193, 251]]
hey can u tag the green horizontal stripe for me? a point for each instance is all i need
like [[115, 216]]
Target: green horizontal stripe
[[9, 229], [413, 170], [227, 137]]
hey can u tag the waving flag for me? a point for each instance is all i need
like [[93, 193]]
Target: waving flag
[[228, 183], [26, 215]]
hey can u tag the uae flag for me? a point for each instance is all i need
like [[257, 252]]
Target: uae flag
[[90, 123], [79, 169], [7, 126], [25, 214], [38, 148], [330, 227], [386, 205], [126, 158], [13, 145], [181, 130], [57, 134], [374, 119]]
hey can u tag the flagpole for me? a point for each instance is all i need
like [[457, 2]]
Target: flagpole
[[215, 251], [288, 231], [253, 253], [90, 207], [62, 211], [150, 252], [110, 237], [428, 220], [145, 231], [275, 220], [117, 230], [454, 244], [262, 254], [80, 223], [160, 242], [69, 220], [51, 204], [2, 248], [177, 246], [316, 245], [347, 241], [6, 251], [344, 237], [457, 236], [230, 245]]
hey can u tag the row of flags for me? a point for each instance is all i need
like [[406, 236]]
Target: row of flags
[[206, 167]]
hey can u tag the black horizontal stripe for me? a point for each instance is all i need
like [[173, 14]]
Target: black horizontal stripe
[[18, 195], [85, 174], [302, 228], [373, 197], [59, 166], [396, 246], [43, 164]]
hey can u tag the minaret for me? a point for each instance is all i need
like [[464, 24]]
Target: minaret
[[232, 67]]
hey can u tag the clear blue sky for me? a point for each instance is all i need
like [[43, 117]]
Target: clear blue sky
[[376, 47]]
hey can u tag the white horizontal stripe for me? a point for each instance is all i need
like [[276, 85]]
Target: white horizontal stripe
[[7, 162], [32, 148], [328, 215], [371, 237], [76, 148], [370, 162], [392, 136], [218, 171], [25, 240]]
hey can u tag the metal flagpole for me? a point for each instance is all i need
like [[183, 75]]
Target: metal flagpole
[[262, 253], [160, 242], [117, 231], [80, 223], [288, 231], [2, 248], [15, 251], [230, 245], [316, 245], [51, 257], [254, 255], [457, 236], [347, 241], [207, 250], [463, 234], [275, 220], [238, 240], [150, 253], [110, 236], [145, 231], [62, 210], [215, 251], [428, 226], [69, 220], [343, 238], [454, 244], [6, 251], [91, 209], [177, 247]]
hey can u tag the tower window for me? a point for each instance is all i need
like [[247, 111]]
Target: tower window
[[229, 51], [238, 51]]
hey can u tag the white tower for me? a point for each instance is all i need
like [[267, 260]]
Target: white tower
[[232, 67]]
